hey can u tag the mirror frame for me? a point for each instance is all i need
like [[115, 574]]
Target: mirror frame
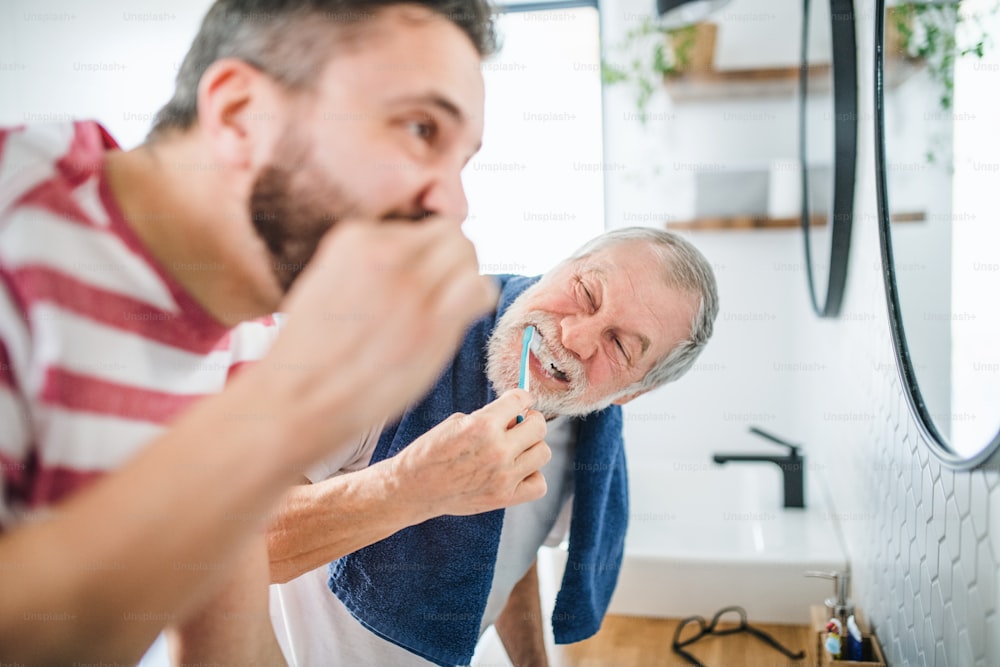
[[845, 131], [904, 364]]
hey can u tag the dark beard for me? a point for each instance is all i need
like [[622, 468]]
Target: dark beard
[[290, 222]]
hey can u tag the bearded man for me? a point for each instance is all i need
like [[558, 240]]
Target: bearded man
[[308, 162], [628, 312]]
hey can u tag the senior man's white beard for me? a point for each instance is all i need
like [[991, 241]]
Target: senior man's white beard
[[503, 362]]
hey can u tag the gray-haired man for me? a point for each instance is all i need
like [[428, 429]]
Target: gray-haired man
[[628, 312]]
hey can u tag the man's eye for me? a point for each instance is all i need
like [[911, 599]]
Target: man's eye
[[590, 297], [422, 129], [621, 348]]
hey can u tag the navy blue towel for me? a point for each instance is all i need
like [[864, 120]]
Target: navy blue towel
[[425, 588]]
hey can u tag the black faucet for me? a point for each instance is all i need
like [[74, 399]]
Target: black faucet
[[792, 466]]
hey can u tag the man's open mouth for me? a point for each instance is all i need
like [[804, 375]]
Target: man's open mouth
[[550, 367]]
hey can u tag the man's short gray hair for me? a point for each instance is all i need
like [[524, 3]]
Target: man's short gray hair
[[291, 40], [685, 268]]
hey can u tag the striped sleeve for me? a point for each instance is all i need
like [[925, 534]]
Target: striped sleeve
[[15, 426], [70, 407], [100, 347]]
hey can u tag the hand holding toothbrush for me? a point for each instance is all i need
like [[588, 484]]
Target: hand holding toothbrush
[[473, 463]]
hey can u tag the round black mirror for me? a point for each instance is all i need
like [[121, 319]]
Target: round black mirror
[[828, 119], [937, 155]]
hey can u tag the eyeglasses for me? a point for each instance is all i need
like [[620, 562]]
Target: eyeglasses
[[680, 641]]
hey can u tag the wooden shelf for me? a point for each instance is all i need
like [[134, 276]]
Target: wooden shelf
[[736, 83], [744, 222], [908, 216], [735, 223], [773, 81]]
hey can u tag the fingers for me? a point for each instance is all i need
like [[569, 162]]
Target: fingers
[[439, 270], [414, 289], [533, 458], [531, 488], [450, 265], [508, 406], [435, 256], [463, 299], [534, 414]]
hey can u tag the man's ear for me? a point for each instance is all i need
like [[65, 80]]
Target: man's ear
[[237, 112], [625, 399]]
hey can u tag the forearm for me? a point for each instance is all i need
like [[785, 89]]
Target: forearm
[[234, 627], [318, 523], [520, 623], [467, 464], [141, 548]]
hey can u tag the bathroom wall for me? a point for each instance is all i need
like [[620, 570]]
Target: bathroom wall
[[120, 78], [924, 542], [756, 329]]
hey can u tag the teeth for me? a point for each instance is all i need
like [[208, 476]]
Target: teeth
[[536, 344], [542, 354]]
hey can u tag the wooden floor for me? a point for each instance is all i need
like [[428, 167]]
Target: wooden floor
[[626, 641]]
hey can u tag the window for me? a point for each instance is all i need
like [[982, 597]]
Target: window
[[536, 190]]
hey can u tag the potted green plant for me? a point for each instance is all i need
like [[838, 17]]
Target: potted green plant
[[650, 53], [937, 35]]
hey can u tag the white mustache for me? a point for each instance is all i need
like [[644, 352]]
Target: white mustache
[[548, 352]]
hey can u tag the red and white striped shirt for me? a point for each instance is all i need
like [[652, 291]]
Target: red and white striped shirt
[[99, 345]]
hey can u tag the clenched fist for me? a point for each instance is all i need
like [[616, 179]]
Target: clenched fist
[[370, 324]]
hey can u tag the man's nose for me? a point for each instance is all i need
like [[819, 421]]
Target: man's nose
[[445, 196], [580, 334]]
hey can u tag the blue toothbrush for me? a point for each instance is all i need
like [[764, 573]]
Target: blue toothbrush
[[524, 379]]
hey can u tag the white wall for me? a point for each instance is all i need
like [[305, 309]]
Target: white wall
[[748, 373], [535, 190], [924, 541], [110, 60]]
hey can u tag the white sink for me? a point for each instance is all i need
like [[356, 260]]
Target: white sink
[[703, 536]]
